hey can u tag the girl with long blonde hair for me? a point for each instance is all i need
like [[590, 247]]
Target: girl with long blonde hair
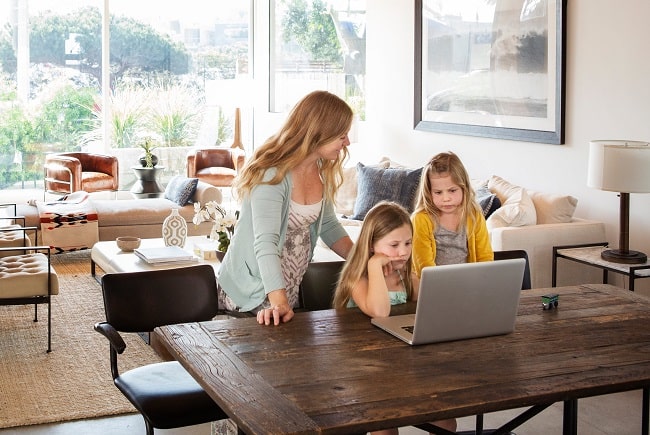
[[448, 224], [377, 273]]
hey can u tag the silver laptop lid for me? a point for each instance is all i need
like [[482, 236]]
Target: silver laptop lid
[[461, 301]]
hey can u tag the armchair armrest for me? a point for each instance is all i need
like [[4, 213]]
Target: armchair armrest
[[239, 159], [191, 164], [62, 173]]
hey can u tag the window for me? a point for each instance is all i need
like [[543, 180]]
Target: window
[[317, 44], [175, 73]]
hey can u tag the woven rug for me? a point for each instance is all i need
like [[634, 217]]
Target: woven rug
[[74, 380]]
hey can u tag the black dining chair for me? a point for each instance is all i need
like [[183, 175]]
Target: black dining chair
[[164, 393], [318, 285], [517, 253]]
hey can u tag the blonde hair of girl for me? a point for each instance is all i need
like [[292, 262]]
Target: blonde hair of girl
[[318, 119], [383, 218], [443, 165]]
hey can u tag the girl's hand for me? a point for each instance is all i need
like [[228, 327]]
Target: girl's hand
[[383, 261]]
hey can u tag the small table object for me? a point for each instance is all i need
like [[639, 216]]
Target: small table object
[[146, 185], [589, 254]]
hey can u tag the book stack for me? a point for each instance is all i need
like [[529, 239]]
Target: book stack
[[165, 255]]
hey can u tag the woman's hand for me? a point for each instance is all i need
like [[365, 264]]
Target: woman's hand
[[276, 313]]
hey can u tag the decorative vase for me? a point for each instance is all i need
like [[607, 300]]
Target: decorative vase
[[174, 229]]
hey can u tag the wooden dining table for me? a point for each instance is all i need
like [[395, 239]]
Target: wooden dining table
[[332, 372]]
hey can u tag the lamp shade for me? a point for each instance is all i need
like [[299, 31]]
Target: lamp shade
[[619, 166]]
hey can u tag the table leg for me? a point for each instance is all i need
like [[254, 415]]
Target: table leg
[[570, 420], [554, 268], [645, 414]]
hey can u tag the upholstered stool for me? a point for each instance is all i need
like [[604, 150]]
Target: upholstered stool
[[14, 235], [29, 279]]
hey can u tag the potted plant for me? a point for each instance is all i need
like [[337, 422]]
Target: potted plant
[[148, 160]]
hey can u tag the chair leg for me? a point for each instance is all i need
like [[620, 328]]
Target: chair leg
[[148, 425], [35, 312], [49, 324]]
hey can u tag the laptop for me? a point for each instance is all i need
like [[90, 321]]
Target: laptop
[[460, 301]]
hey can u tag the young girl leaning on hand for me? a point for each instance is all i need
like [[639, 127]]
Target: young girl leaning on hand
[[378, 272], [448, 225]]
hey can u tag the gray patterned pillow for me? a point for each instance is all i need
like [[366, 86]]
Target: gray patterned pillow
[[181, 189], [399, 185]]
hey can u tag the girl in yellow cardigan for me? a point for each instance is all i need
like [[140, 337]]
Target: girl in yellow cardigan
[[448, 224]]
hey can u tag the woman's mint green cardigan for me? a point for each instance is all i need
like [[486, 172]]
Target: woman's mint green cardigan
[[251, 267]]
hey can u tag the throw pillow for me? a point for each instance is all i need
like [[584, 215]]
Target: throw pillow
[[488, 201], [347, 193], [552, 209], [181, 189], [385, 184], [517, 209]]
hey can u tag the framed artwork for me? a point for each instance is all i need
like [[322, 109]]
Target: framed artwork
[[491, 68]]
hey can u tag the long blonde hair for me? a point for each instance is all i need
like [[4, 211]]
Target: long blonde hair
[[442, 165], [318, 119], [383, 218]]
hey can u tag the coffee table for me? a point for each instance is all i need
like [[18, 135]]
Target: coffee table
[[112, 259]]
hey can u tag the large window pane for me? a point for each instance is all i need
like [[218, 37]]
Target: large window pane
[[175, 76], [317, 44]]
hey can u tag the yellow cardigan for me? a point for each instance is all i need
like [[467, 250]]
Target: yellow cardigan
[[424, 243]]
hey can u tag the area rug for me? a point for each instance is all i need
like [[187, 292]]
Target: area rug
[[74, 380]]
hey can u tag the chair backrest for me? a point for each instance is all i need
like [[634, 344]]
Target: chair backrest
[[215, 157], [142, 301], [318, 285], [517, 253]]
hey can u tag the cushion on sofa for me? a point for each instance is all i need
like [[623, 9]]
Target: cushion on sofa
[[488, 201], [347, 193], [181, 189], [517, 208], [553, 209], [385, 184]]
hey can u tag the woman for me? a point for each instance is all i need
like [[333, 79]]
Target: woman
[[287, 191]]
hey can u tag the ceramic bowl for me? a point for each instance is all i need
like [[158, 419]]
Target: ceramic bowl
[[128, 243]]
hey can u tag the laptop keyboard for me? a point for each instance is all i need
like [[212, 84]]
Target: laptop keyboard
[[408, 329]]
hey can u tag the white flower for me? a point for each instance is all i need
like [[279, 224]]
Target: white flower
[[224, 222]]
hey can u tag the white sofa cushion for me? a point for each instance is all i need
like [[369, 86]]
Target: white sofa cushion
[[553, 209], [517, 208]]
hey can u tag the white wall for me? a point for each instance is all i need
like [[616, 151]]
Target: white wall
[[607, 97]]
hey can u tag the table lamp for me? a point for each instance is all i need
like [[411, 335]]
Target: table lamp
[[620, 166]]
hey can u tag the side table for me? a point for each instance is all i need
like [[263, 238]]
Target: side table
[[146, 185], [589, 254]]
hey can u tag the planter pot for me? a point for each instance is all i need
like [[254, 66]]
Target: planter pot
[[143, 160]]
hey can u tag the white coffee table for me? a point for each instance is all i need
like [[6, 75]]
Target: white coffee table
[[111, 259]]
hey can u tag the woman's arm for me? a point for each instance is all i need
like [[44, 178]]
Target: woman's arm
[[342, 246]]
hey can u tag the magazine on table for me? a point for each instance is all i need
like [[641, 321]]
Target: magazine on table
[[165, 254]]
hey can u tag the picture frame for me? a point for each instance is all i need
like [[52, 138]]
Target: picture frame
[[491, 68]]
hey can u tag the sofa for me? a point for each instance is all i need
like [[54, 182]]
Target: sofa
[[143, 217], [517, 218]]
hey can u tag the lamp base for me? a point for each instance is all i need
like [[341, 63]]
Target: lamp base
[[627, 257]]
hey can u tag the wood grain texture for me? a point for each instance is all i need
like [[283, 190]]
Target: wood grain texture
[[333, 372]]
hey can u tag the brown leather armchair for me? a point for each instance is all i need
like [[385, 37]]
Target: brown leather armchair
[[215, 166], [71, 172]]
